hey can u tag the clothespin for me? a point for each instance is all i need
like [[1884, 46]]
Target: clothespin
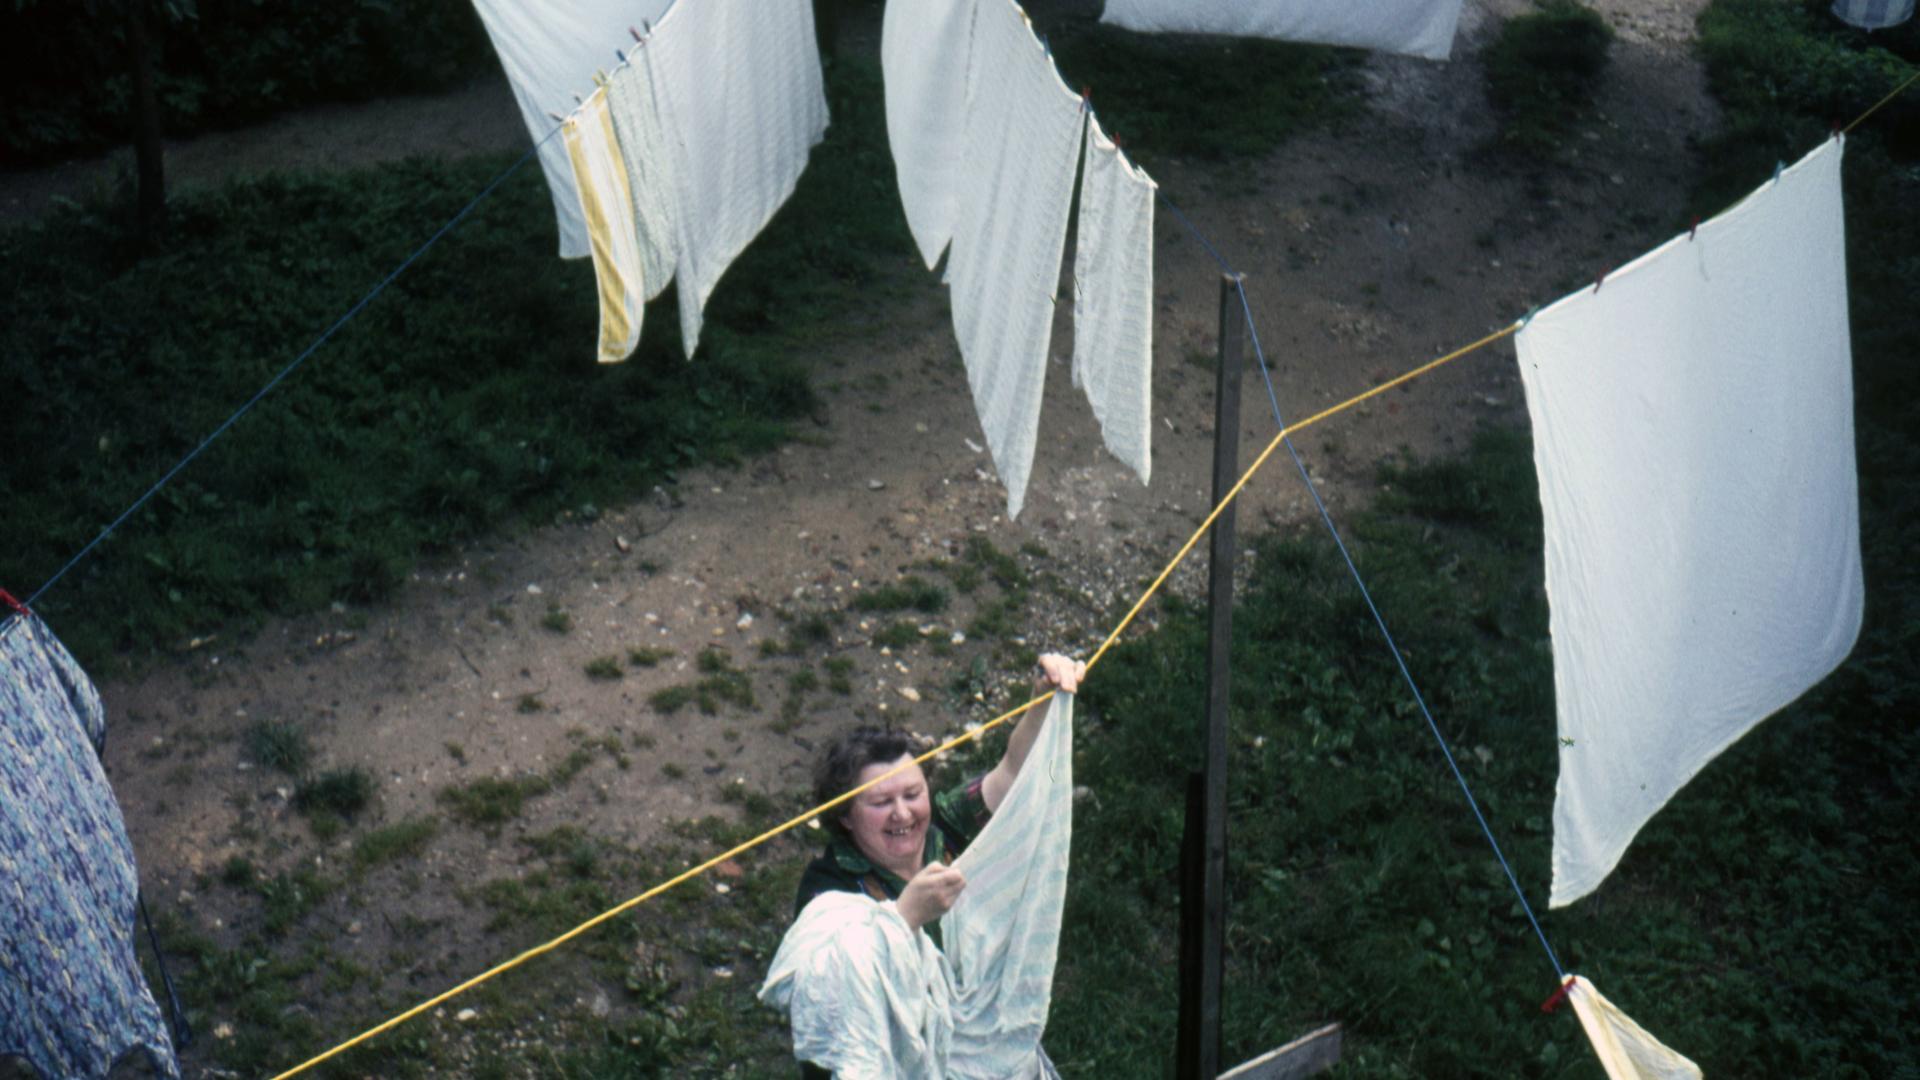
[[1559, 995], [1778, 168], [636, 35], [13, 605], [1528, 317], [1602, 279], [1695, 231], [619, 57], [556, 116], [1086, 98], [578, 100]]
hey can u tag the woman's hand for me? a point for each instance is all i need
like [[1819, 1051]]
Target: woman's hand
[[930, 894], [1059, 673]]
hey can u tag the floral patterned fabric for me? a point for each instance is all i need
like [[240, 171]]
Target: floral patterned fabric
[[72, 997]]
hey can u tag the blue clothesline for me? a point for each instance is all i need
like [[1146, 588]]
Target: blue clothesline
[[1333, 530]]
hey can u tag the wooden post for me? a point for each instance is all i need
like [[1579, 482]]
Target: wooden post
[[1203, 945]]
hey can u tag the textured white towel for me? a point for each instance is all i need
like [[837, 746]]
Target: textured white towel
[[1022, 149], [644, 150], [1415, 27], [738, 87], [1113, 299], [924, 49], [550, 51], [607, 210], [1625, 1049], [867, 997], [1693, 433]]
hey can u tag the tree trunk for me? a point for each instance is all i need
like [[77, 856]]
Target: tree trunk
[[147, 153]]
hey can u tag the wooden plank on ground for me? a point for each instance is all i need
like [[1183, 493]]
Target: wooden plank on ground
[[1308, 1055]]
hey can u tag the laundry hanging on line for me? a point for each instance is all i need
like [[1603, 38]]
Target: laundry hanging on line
[[606, 205], [1113, 299], [868, 996], [1873, 14], [1693, 435], [641, 141], [549, 50], [72, 996], [1625, 1049], [926, 47], [1421, 28], [1022, 150]]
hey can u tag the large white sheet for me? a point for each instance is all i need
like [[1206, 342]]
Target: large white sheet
[[1113, 299], [606, 207], [1693, 434], [924, 50], [1022, 149], [739, 89], [868, 997], [642, 137], [550, 50], [1625, 1049], [1414, 27]]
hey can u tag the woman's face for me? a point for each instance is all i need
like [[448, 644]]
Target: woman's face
[[889, 820]]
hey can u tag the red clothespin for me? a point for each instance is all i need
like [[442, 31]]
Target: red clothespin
[[1602, 279], [1559, 996], [636, 35], [15, 606], [1695, 231]]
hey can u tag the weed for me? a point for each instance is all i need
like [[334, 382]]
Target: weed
[[897, 635], [671, 699], [803, 681], [457, 752], [238, 872], [557, 620], [279, 745], [340, 793], [491, 800], [672, 771], [644, 656], [1002, 567], [604, 667], [908, 593], [839, 674], [401, 840], [528, 704]]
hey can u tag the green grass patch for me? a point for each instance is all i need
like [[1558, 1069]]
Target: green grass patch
[[279, 745], [390, 843], [643, 656], [839, 674], [908, 594], [898, 634], [1542, 72], [342, 792], [604, 668], [463, 400]]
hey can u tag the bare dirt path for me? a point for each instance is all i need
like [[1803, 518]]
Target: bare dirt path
[[1368, 249]]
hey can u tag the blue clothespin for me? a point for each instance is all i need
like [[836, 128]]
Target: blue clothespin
[[1528, 317], [1778, 166]]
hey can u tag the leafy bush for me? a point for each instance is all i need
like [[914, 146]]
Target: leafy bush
[[1542, 71]]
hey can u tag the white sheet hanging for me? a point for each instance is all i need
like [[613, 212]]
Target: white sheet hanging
[[1113, 299], [924, 50], [1414, 27], [606, 207], [1022, 148], [1625, 1049], [549, 50], [738, 87], [867, 997], [642, 137], [1873, 14], [1693, 434]]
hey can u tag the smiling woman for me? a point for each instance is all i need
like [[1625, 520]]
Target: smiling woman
[[893, 841]]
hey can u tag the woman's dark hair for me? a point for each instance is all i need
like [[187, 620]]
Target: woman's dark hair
[[839, 769]]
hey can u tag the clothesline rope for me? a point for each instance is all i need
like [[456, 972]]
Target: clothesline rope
[[967, 736]]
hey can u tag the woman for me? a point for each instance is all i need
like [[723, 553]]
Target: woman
[[894, 840]]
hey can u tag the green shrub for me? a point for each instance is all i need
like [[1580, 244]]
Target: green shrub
[[1542, 72]]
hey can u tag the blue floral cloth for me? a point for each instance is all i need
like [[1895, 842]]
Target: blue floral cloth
[[72, 998]]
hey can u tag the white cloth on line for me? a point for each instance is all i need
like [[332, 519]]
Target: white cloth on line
[[606, 207], [1693, 435], [924, 50], [549, 51], [1414, 27], [1113, 299], [1625, 1049], [739, 89], [1873, 14], [1022, 150], [868, 997], [638, 129]]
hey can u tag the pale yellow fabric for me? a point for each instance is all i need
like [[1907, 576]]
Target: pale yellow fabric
[[1625, 1049], [606, 203]]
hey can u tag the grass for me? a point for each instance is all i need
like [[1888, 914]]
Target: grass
[[643, 656], [720, 684], [279, 745], [342, 792], [604, 668], [419, 427], [1542, 71], [908, 594]]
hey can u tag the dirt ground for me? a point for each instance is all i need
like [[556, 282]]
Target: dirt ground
[[1368, 250]]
